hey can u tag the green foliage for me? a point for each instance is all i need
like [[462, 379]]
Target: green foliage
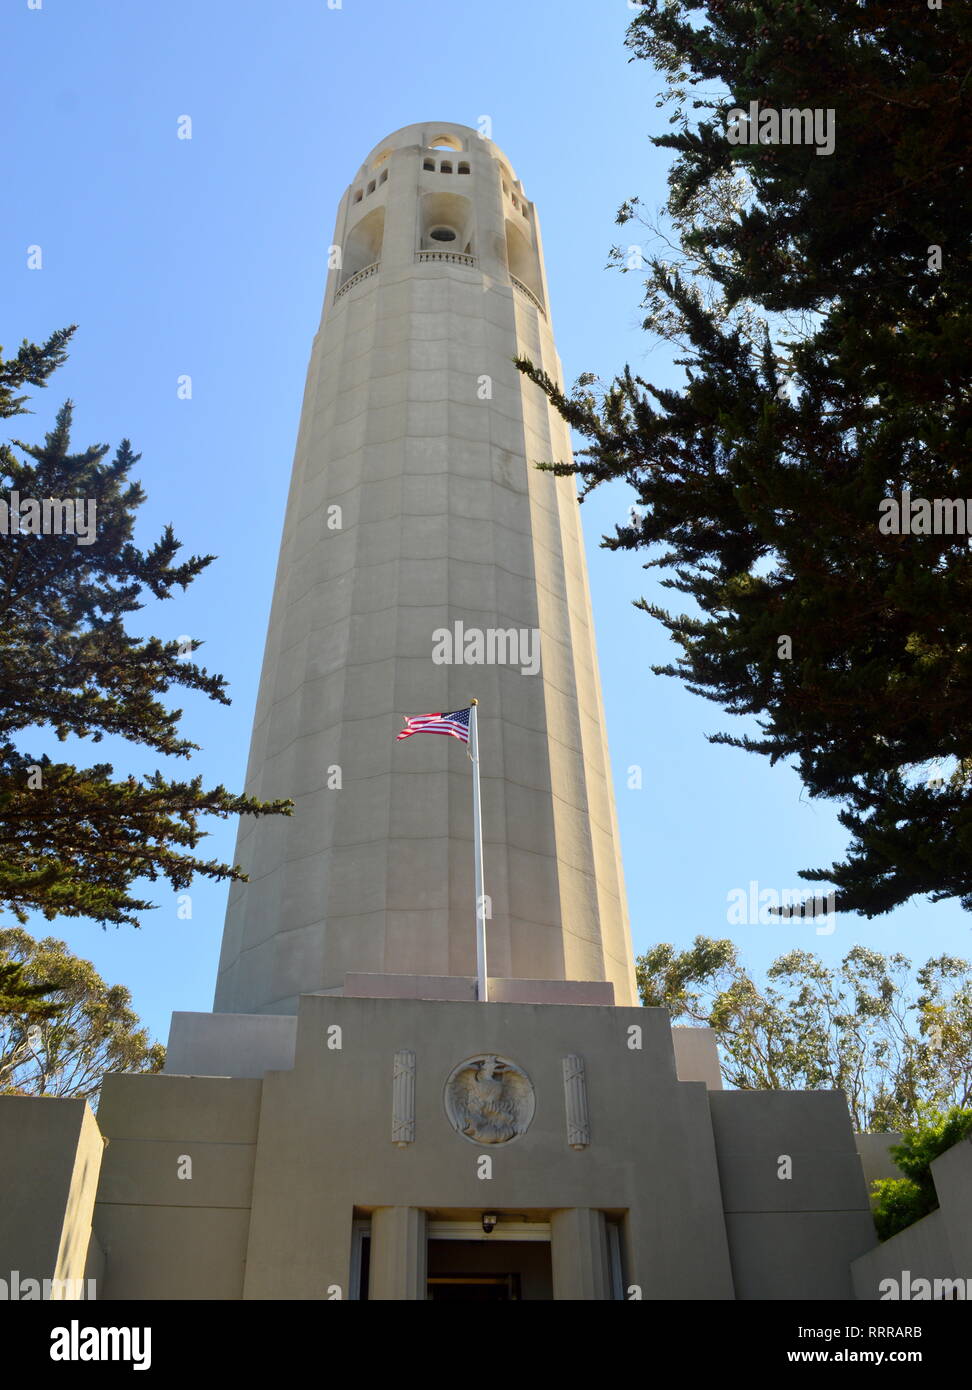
[[898, 1203], [902, 1201], [73, 840], [929, 1136], [861, 1027], [827, 369], [92, 1029], [32, 366], [666, 977], [19, 996]]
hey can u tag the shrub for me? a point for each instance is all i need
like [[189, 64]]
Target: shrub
[[903, 1201]]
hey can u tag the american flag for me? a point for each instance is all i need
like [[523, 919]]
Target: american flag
[[455, 724]]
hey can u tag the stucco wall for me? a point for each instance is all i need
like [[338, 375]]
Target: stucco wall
[[50, 1156], [168, 1228], [795, 1199]]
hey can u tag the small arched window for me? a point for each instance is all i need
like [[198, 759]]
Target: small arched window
[[516, 203], [429, 164], [445, 167], [384, 175], [358, 196], [371, 186], [464, 168]]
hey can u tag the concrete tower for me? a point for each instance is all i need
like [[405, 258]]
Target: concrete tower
[[414, 507]]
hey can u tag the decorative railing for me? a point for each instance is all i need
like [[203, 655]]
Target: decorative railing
[[456, 257], [529, 294], [357, 278]]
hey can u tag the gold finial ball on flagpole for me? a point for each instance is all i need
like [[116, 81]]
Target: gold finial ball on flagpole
[[474, 702]]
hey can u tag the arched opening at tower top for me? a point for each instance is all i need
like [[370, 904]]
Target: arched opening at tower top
[[522, 259], [442, 214], [363, 244], [445, 142]]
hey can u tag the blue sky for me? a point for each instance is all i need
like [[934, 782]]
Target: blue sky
[[208, 257]]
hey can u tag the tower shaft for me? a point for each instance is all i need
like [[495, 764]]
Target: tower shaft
[[419, 535]]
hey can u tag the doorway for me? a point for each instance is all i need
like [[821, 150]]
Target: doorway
[[489, 1270]]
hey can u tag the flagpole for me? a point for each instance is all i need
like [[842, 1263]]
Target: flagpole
[[482, 988]]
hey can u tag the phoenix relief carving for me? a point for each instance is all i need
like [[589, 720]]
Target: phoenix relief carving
[[489, 1099]]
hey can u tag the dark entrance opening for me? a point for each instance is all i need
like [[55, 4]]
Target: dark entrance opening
[[487, 1270]]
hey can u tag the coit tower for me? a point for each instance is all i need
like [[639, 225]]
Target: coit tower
[[426, 561]]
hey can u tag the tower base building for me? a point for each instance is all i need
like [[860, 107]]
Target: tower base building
[[413, 1148]]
